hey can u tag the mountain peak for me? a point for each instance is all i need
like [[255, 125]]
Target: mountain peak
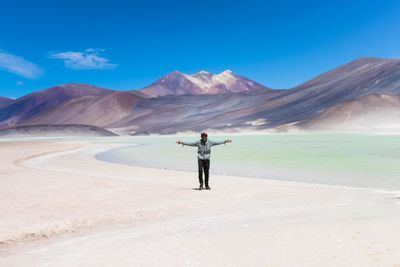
[[202, 73], [174, 75], [202, 82], [226, 72], [176, 72]]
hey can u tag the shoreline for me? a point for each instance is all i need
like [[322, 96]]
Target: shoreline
[[102, 156], [144, 209]]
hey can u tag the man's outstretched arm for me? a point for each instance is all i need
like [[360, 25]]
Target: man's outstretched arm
[[187, 143], [221, 142]]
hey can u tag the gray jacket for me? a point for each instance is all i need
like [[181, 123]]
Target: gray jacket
[[203, 151]]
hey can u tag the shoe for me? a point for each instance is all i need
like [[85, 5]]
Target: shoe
[[207, 187], [201, 187]]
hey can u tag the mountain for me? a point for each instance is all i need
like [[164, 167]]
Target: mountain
[[4, 101], [171, 114], [175, 83], [358, 78], [130, 113], [351, 81], [226, 102], [225, 82], [40, 102], [203, 82], [372, 112], [101, 110]]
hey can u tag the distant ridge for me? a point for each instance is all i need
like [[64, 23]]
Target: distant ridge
[[55, 130]]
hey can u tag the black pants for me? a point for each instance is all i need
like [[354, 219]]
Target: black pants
[[204, 164]]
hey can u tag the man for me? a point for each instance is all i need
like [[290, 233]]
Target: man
[[203, 156]]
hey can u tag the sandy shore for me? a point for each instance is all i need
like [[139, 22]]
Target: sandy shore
[[62, 207]]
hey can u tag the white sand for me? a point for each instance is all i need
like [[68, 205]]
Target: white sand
[[68, 209]]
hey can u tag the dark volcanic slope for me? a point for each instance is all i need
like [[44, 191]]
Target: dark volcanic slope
[[55, 130], [170, 114], [37, 103], [166, 114]]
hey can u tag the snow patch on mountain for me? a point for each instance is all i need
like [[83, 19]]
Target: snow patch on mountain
[[202, 82], [208, 81]]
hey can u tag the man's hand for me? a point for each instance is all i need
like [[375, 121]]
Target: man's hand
[[228, 141], [179, 142]]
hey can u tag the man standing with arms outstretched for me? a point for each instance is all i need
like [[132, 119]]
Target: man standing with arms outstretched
[[203, 156]]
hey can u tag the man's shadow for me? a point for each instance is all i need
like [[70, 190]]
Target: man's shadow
[[193, 188]]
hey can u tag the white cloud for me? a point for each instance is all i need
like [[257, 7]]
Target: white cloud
[[90, 59], [19, 66]]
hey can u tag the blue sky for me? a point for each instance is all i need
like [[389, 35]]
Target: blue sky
[[129, 44]]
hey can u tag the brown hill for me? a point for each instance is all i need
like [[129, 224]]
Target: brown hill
[[34, 104], [100, 110]]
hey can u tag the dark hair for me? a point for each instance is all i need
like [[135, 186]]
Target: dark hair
[[203, 135]]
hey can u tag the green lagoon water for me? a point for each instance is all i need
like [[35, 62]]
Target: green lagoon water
[[343, 159]]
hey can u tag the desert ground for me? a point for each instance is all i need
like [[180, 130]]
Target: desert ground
[[60, 206]]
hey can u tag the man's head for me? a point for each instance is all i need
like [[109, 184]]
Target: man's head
[[203, 136]]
